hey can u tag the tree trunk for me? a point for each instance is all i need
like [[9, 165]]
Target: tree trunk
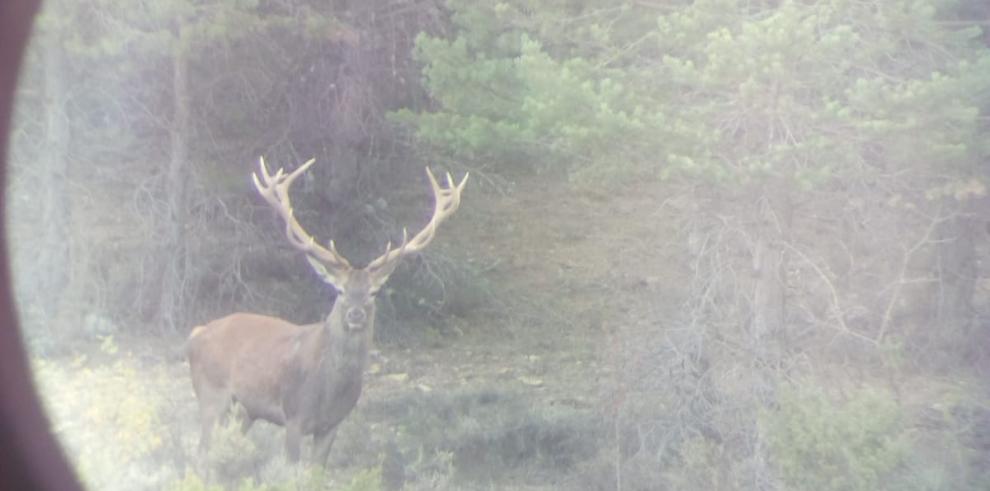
[[769, 311], [956, 256], [769, 263], [175, 252]]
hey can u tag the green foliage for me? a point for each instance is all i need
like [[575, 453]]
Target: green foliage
[[504, 97], [232, 455], [303, 482], [822, 444], [107, 415], [288, 477], [718, 89], [365, 480], [192, 482], [950, 451], [701, 466], [810, 91], [481, 434], [310, 478]]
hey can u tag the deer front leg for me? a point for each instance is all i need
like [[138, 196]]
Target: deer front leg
[[293, 434], [322, 441]]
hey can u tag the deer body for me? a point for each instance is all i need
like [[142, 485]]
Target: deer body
[[306, 378]]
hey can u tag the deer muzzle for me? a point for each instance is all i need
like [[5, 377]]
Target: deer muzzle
[[356, 318]]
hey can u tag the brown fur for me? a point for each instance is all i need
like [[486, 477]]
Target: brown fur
[[306, 378]]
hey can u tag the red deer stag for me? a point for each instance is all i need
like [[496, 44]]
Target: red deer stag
[[305, 378]]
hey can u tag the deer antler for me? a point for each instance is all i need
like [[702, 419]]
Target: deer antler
[[447, 199], [275, 190]]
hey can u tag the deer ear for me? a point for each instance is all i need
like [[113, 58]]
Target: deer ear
[[336, 280]]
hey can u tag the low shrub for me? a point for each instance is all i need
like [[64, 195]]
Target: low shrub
[[818, 442], [108, 417], [488, 433]]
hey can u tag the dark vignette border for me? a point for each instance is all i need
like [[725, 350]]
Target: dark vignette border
[[30, 458]]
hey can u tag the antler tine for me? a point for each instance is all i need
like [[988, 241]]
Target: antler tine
[[275, 190], [446, 201]]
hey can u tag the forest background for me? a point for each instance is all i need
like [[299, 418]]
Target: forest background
[[708, 245]]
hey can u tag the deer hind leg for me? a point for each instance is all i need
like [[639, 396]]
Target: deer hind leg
[[322, 441], [293, 435], [212, 407]]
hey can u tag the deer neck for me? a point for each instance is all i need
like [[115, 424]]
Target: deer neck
[[331, 382], [346, 350]]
